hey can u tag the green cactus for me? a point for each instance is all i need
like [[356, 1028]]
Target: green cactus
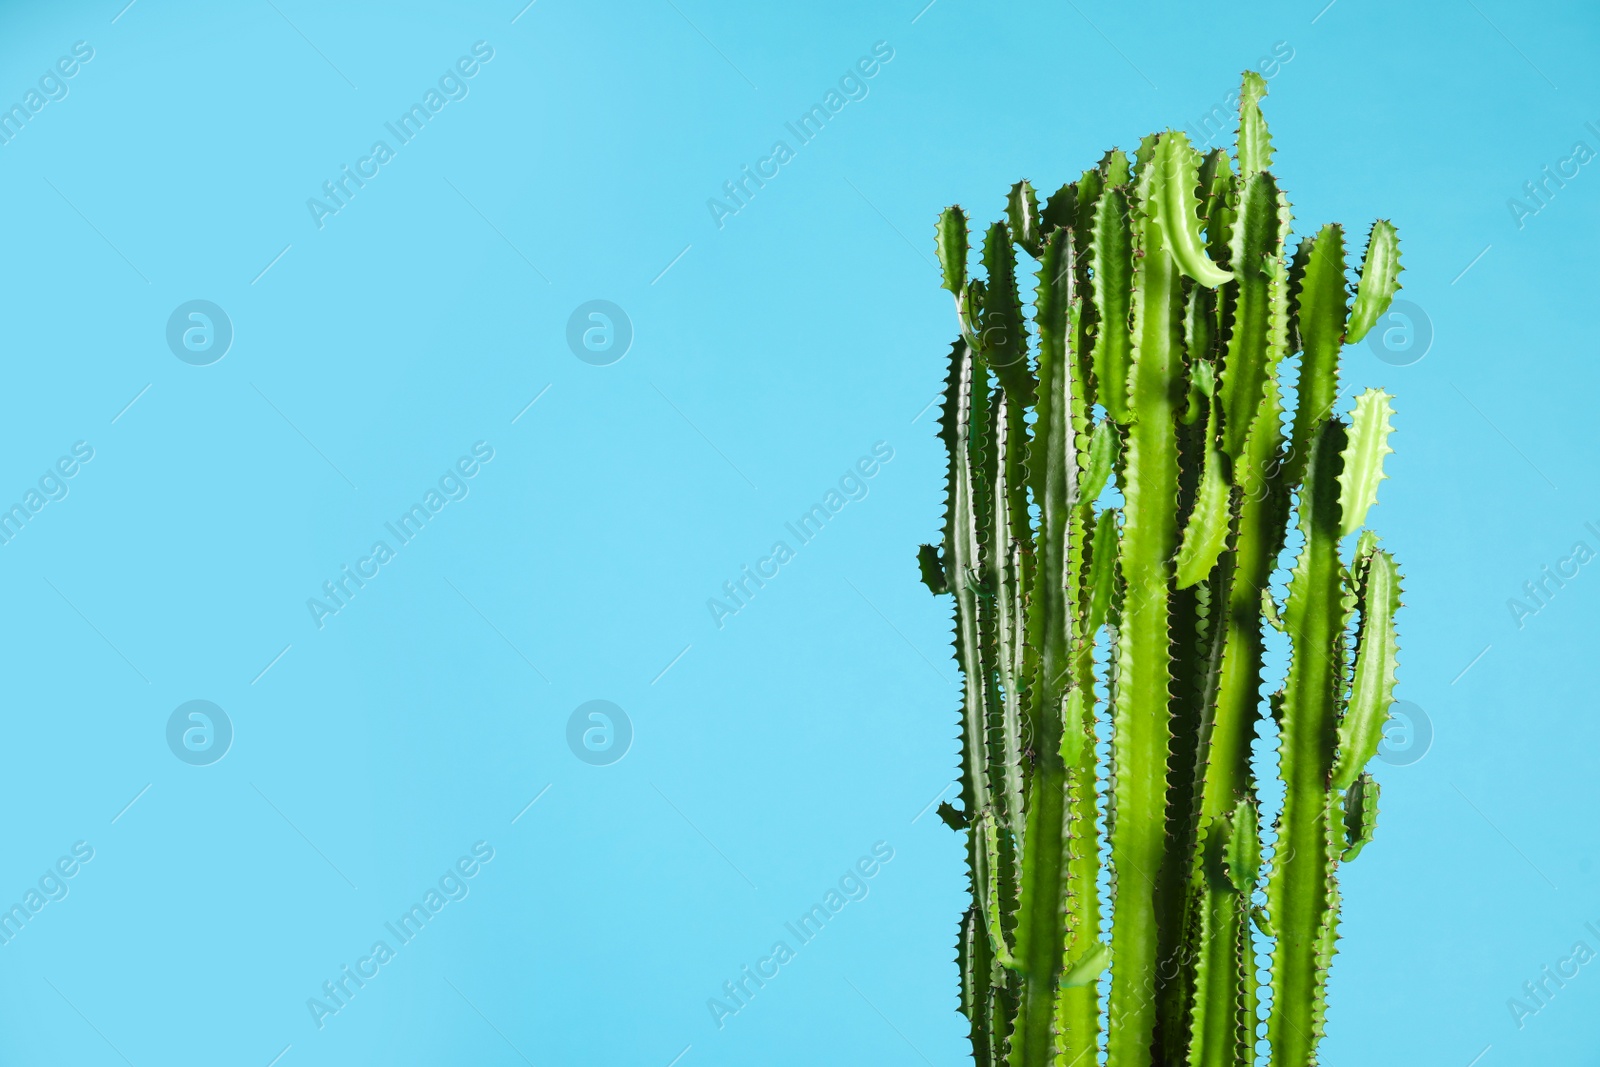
[[1166, 307]]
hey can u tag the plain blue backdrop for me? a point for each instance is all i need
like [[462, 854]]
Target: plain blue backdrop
[[769, 354]]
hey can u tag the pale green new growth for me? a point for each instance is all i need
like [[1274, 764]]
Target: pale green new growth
[[1363, 459], [1166, 303], [1380, 280], [1373, 690]]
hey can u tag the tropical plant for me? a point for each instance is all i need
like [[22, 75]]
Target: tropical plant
[[1123, 478]]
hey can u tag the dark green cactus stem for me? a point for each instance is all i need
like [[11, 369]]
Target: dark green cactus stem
[[1041, 930], [1166, 306], [1298, 894]]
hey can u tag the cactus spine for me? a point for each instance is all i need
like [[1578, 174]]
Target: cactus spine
[[1166, 304]]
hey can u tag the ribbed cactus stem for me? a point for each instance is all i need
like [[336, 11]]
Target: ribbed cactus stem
[[1054, 468], [1166, 305], [1149, 539], [1299, 890]]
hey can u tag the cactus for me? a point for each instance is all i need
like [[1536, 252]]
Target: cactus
[[1167, 308]]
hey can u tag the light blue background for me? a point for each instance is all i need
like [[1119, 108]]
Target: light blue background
[[766, 360]]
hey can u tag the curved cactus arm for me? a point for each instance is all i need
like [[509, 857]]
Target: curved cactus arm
[[1255, 143], [1206, 532], [950, 242], [1086, 969], [1218, 196], [1116, 168], [1141, 732], [1078, 211], [974, 962], [1257, 239], [1363, 460], [1005, 334], [969, 314], [1022, 212], [1102, 570], [1223, 1024], [1219, 211], [1176, 209], [990, 875], [1377, 655], [1005, 559], [1060, 210], [1243, 855], [1111, 262], [1360, 816], [1380, 280], [1298, 891], [1102, 460], [930, 564]]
